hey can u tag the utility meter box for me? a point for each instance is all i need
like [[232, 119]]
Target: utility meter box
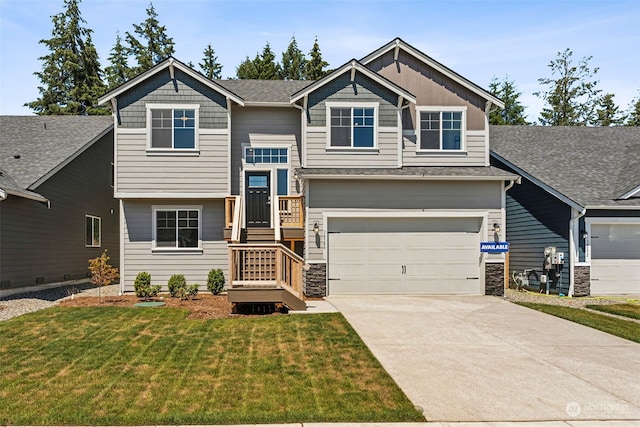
[[557, 258]]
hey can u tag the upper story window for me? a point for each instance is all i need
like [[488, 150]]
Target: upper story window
[[172, 127], [352, 126], [441, 129], [266, 155]]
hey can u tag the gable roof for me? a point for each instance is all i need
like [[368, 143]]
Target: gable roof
[[589, 166], [354, 66], [268, 92], [170, 63], [398, 43], [32, 148]]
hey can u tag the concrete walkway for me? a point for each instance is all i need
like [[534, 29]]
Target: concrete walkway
[[465, 359]]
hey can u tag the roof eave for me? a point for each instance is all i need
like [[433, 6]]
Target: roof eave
[[633, 193], [412, 177], [24, 194]]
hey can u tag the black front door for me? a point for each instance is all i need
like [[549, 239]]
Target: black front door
[[258, 195]]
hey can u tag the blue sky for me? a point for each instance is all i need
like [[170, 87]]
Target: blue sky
[[477, 39]]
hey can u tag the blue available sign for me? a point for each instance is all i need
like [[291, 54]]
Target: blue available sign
[[494, 246]]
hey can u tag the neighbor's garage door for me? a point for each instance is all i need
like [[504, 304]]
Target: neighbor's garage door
[[404, 256], [615, 259]]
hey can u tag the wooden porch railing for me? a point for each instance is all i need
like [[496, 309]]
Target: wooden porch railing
[[291, 209], [229, 207], [233, 216], [265, 265]]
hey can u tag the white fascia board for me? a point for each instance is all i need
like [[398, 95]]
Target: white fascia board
[[127, 195], [268, 104], [69, 159], [435, 65], [414, 177], [633, 193], [613, 208], [353, 64], [539, 183], [171, 62], [27, 195]]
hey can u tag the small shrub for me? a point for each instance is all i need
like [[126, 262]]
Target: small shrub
[[215, 281], [142, 286], [192, 290], [188, 292], [177, 283], [102, 273]]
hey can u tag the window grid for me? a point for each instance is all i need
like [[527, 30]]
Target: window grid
[[352, 127], [266, 155], [441, 130], [93, 231], [173, 128], [177, 228]]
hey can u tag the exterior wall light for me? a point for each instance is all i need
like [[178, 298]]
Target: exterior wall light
[[496, 227], [316, 228], [584, 234]]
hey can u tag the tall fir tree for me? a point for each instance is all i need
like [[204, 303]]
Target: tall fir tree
[[513, 111], [152, 44], [247, 69], [293, 62], [315, 68], [607, 112], [118, 71], [633, 115], [70, 80], [571, 95], [263, 66], [210, 66]]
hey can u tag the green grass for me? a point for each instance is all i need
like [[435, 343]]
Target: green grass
[[122, 366], [626, 310], [626, 329]]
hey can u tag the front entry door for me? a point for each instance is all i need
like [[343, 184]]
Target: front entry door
[[258, 195]]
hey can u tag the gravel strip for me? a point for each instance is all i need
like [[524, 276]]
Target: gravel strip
[[19, 304]]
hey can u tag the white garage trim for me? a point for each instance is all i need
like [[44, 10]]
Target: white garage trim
[[601, 220]]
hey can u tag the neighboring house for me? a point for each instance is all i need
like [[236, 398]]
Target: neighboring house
[[56, 199], [580, 192], [373, 180]]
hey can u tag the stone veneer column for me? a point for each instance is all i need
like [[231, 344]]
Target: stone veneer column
[[494, 279], [582, 281], [315, 281]]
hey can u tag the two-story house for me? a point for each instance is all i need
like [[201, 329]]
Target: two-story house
[[374, 179]]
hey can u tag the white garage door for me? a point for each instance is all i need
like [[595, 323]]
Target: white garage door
[[404, 256], [615, 259]]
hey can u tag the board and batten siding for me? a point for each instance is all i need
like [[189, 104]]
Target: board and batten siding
[[473, 155], [139, 172], [138, 241], [49, 242], [260, 126], [482, 197]]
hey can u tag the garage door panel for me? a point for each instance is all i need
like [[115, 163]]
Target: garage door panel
[[615, 259]]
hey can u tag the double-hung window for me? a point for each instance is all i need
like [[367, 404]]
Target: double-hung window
[[173, 128], [177, 227], [92, 231], [441, 130], [352, 126]]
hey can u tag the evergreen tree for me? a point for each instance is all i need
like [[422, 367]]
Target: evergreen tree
[[247, 69], [152, 45], [607, 112], [210, 66], [571, 94], [315, 67], [118, 71], [513, 111], [70, 80], [263, 66], [633, 116], [293, 62]]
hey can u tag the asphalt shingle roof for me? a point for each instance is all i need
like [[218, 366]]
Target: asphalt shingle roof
[[31, 146], [593, 166], [409, 171], [264, 90]]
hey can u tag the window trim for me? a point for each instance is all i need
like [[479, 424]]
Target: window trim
[[442, 109], [93, 218], [178, 151], [154, 230], [335, 104]]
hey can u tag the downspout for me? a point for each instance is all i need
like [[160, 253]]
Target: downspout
[[573, 252]]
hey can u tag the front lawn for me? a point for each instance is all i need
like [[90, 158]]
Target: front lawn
[[626, 329], [626, 310], [124, 366]]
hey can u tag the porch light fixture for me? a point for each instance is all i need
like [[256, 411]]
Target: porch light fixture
[[584, 234], [316, 228], [496, 227]]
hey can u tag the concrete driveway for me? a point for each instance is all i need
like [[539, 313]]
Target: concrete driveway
[[476, 358]]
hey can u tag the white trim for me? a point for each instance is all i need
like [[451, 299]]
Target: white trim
[[613, 208], [131, 131], [339, 104], [163, 65], [414, 177], [156, 208], [589, 221], [229, 145], [93, 218], [122, 258], [177, 152], [216, 131], [400, 152], [433, 64], [25, 195], [168, 106], [126, 195], [574, 250], [442, 109], [633, 193]]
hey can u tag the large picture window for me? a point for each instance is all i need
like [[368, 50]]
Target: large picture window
[[352, 127], [177, 228], [173, 128], [441, 130], [93, 231]]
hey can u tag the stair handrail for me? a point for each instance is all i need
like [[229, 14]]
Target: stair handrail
[[275, 208], [237, 219]]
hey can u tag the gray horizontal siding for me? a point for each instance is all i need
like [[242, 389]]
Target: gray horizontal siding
[[138, 254], [139, 172], [161, 89], [39, 242], [476, 150]]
